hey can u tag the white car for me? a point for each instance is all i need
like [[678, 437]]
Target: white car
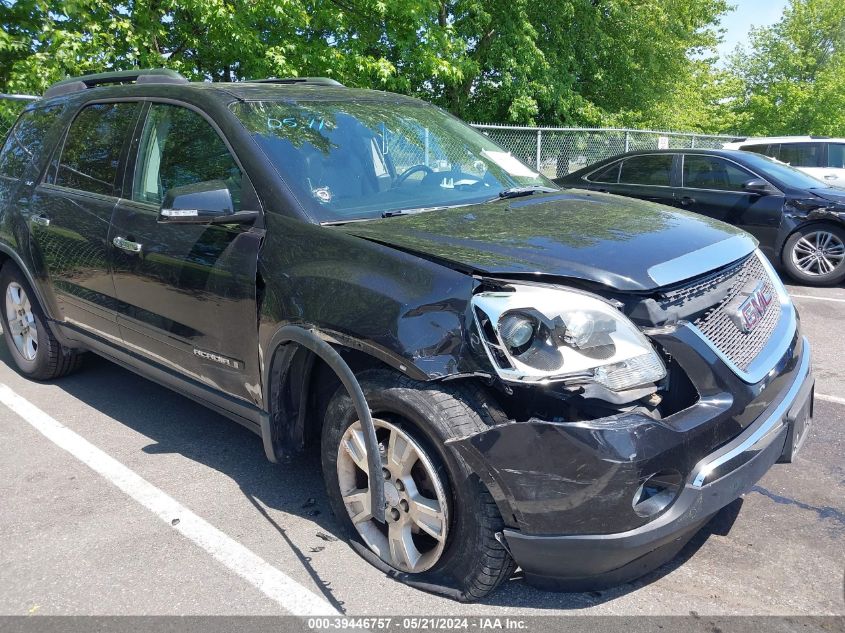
[[819, 156]]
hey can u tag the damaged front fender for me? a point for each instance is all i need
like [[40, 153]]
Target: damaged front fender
[[409, 313], [800, 212]]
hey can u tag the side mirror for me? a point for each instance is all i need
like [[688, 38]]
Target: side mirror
[[758, 186], [208, 202]]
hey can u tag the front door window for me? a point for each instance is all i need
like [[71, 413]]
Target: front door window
[[179, 147]]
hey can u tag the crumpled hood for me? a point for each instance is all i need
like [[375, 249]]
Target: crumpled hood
[[619, 242]]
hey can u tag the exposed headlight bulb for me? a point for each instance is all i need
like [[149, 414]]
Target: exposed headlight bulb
[[588, 329], [516, 330]]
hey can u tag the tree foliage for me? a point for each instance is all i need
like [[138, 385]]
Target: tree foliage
[[561, 61], [641, 63], [792, 78]]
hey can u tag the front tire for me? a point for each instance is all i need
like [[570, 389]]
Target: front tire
[[815, 255], [441, 522], [36, 352]]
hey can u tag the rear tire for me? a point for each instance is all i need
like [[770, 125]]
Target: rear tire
[[472, 563], [815, 255], [36, 352]]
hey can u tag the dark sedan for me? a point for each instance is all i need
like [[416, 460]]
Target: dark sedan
[[799, 221]]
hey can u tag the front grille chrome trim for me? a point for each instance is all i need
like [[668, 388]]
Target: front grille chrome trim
[[702, 260], [779, 339], [763, 434]]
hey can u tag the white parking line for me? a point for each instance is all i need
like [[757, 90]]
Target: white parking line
[[818, 298], [836, 399], [289, 594]]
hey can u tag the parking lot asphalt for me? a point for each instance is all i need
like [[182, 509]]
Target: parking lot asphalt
[[121, 497]]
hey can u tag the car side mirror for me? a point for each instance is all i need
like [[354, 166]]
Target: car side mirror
[[758, 186], [208, 202]]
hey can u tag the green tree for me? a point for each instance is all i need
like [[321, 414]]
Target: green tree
[[793, 74], [558, 62]]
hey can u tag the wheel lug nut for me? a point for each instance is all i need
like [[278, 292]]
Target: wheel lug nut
[[394, 514], [399, 485], [386, 473], [404, 505]]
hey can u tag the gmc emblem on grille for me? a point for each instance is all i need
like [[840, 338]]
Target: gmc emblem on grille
[[748, 307]]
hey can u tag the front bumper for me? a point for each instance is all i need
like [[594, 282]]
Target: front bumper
[[576, 561]]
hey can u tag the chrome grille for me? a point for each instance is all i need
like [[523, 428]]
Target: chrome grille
[[701, 287], [716, 325]]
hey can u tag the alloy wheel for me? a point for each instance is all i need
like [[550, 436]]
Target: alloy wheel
[[413, 537], [818, 253], [21, 321]]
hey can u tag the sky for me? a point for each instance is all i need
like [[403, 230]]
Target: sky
[[747, 13]]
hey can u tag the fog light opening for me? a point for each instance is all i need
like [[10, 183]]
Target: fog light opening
[[657, 493]]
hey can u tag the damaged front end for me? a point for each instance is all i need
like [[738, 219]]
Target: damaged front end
[[607, 460]]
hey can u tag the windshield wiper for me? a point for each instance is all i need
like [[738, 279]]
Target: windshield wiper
[[413, 211], [516, 192]]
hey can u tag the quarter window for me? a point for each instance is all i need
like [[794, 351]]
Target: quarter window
[[91, 153], [765, 150], [608, 174], [26, 140], [836, 155], [179, 147], [650, 169], [801, 154], [709, 172]]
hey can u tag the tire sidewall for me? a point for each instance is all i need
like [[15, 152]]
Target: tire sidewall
[[409, 409], [796, 273]]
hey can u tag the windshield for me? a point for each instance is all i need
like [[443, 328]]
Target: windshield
[[351, 160], [787, 175]]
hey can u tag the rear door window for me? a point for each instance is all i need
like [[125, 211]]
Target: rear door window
[[93, 147], [711, 172], [650, 169], [26, 140], [801, 154]]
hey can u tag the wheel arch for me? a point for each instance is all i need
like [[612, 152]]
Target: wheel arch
[[299, 384], [283, 425], [838, 221], [8, 254]]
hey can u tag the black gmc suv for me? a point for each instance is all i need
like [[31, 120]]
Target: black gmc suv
[[497, 373]]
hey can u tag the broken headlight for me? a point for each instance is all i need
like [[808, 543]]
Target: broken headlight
[[539, 334]]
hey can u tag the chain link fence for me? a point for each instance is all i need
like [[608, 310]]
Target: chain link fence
[[557, 151]]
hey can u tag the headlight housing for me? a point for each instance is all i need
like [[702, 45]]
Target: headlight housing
[[537, 334]]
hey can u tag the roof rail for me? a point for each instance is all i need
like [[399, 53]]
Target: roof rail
[[148, 76], [318, 81], [16, 97]]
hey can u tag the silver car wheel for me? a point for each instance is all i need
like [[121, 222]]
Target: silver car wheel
[[21, 321], [413, 536], [818, 253]]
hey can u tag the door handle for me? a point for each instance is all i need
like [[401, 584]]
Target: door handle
[[127, 245], [40, 220], [686, 201], [830, 177]]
